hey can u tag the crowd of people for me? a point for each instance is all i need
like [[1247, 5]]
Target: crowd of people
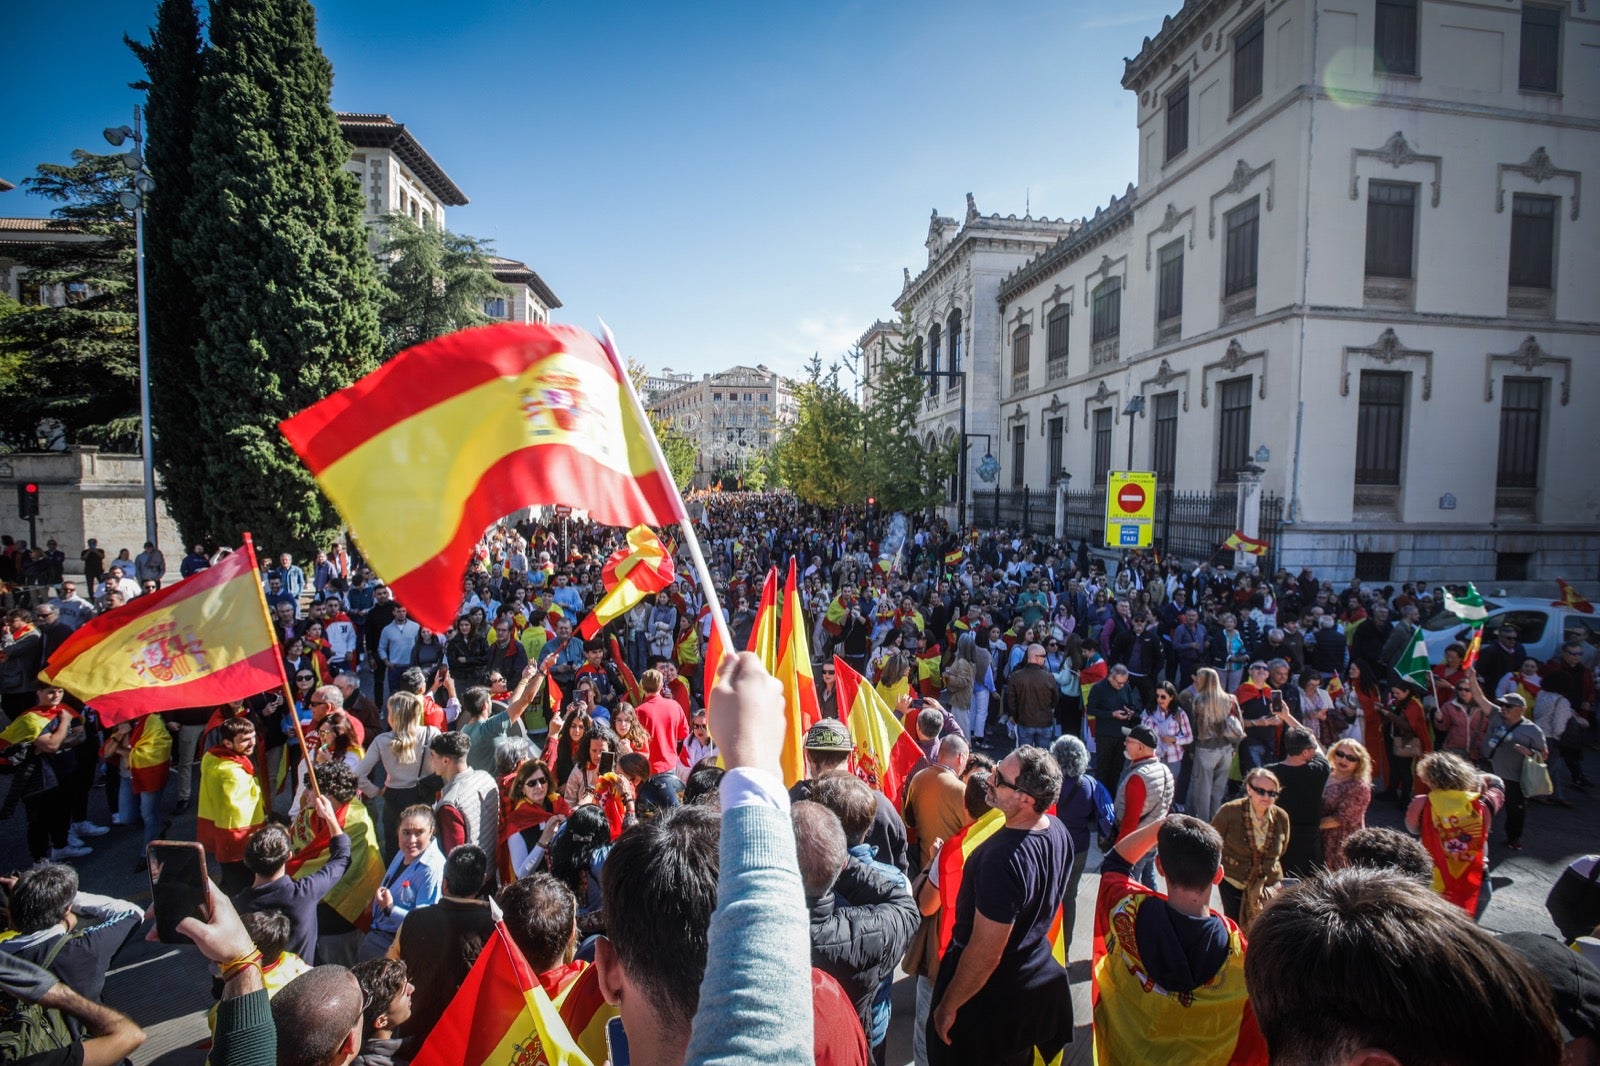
[[1217, 735]]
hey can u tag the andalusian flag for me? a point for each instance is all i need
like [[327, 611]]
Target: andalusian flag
[[1238, 542], [1571, 600], [801, 708], [764, 634], [631, 574], [500, 1015], [150, 758], [309, 837], [424, 453], [203, 641], [885, 753], [1469, 607], [1414, 665]]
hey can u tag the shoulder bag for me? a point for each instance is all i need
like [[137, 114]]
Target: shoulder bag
[[1535, 777]]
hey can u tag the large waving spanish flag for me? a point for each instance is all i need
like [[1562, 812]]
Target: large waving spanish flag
[[631, 574], [421, 455], [203, 641], [500, 1015], [885, 753], [801, 706], [309, 840]]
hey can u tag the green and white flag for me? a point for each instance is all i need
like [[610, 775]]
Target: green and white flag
[[1468, 606], [1414, 665]]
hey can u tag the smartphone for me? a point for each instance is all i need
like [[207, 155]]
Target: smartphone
[[917, 702], [178, 885], [608, 762]]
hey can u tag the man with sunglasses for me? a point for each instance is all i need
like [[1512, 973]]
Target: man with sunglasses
[[1000, 993]]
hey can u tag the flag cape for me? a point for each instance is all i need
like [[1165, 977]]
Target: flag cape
[[1571, 599], [801, 708], [308, 852], [230, 806], [424, 453], [500, 1015], [764, 634], [885, 753], [1469, 607], [1238, 542], [150, 759], [585, 1012], [952, 860], [204, 640], [833, 620], [1455, 831], [1414, 664], [930, 680], [631, 574], [26, 727]]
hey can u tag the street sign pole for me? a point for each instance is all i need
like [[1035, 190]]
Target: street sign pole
[[1130, 509]]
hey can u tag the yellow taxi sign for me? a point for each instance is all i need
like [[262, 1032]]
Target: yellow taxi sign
[[1130, 509]]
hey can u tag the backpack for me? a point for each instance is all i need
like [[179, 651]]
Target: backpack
[[30, 1028]]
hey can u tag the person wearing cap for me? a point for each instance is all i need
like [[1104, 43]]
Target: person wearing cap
[[1144, 792], [827, 746], [1574, 988], [1510, 738]]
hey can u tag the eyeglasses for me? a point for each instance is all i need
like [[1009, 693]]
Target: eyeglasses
[[1267, 792], [998, 780], [1258, 669], [317, 703], [304, 677], [545, 781]]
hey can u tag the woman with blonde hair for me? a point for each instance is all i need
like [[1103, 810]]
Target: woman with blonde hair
[[1453, 819], [1214, 742], [895, 681], [403, 751], [1345, 799], [1255, 832]]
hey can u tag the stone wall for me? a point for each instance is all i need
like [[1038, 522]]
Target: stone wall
[[84, 493]]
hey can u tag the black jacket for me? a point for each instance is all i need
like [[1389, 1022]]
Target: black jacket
[[860, 930]]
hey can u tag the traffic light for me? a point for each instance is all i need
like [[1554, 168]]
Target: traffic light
[[28, 499]]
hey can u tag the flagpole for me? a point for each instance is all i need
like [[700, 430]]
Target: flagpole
[[283, 674], [702, 571]]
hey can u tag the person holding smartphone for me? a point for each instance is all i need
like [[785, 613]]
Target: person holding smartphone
[[598, 742]]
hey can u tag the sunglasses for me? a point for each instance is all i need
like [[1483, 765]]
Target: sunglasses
[[998, 780], [1267, 792], [545, 781], [304, 677], [1344, 756]]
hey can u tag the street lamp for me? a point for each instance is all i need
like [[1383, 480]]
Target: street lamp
[[133, 199], [1135, 407]]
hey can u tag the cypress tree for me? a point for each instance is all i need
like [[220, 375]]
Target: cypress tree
[[286, 285], [172, 62]]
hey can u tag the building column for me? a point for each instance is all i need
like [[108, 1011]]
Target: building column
[[1249, 513]]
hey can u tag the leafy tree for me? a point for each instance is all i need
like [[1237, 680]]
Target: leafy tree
[[286, 285], [902, 473], [822, 455], [172, 62], [75, 358], [436, 282]]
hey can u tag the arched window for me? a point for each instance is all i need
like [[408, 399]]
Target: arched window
[[933, 360], [953, 328]]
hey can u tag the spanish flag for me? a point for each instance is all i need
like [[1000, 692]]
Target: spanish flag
[[954, 558], [930, 676], [801, 707], [952, 860], [200, 642], [630, 683], [1571, 600], [230, 806], [1238, 542], [885, 753], [424, 453], [764, 634], [585, 1013], [309, 838], [28, 726], [833, 619], [150, 758], [631, 574], [500, 1015]]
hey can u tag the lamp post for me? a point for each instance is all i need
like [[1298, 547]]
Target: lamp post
[[133, 200], [961, 459], [1135, 407]]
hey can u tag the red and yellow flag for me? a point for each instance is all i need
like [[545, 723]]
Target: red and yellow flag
[[952, 860], [230, 806], [629, 683], [585, 1013], [421, 455], [500, 1015], [764, 634], [200, 642], [885, 753], [1571, 600], [150, 757], [801, 707], [631, 574], [833, 620], [1238, 542], [309, 837], [1466, 664]]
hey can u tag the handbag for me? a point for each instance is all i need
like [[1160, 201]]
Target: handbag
[[1407, 746], [1535, 777], [1233, 729]]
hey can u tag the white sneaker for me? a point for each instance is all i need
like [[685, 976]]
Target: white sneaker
[[71, 851], [89, 829]]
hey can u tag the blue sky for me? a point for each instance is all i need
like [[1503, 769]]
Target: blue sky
[[722, 183]]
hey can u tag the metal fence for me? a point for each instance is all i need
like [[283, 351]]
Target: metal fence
[[1188, 525]]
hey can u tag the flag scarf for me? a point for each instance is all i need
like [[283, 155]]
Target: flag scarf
[[1455, 831], [1238, 542], [764, 634], [204, 640], [424, 453], [631, 574], [1570, 599], [500, 1015], [952, 860], [833, 620], [1469, 607], [1414, 664], [585, 1013], [230, 805], [150, 758], [801, 707], [885, 753], [309, 837]]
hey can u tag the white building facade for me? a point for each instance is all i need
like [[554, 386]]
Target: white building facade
[[734, 417], [397, 174], [1357, 254], [528, 299]]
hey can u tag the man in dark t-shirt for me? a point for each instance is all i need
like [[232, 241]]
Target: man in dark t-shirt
[[1000, 993], [1301, 776]]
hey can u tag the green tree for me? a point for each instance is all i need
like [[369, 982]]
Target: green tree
[[287, 288], [172, 63], [822, 455], [902, 474], [75, 357], [436, 282]]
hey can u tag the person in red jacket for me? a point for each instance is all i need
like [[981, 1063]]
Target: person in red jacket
[[664, 719]]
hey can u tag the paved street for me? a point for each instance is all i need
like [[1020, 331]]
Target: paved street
[[167, 990]]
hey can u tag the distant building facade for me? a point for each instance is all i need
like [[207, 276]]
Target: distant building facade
[[529, 300], [733, 416]]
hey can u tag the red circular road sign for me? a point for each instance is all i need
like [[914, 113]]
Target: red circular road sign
[[1130, 498]]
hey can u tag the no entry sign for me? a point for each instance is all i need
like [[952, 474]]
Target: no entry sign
[[1130, 509], [1130, 498]]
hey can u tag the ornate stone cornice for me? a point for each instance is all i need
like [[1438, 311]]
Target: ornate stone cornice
[[1102, 395], [1165, 376], [1176, 33], [1103, 270], [1397, 153], [1539, 170], [1107, 221], [1053, 408], [1232, 359], [1529, 358], [1243, 175], [1169, 222], [1388, 350]]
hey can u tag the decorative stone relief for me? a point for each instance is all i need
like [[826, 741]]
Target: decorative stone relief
[[1165, 376], [1053, 408], [1169, 222], [972, 209], [1102, 395], [1396, 152], [1243, 175], [1388, 350], [1530, 358], [1538, 169], [1232, 359], [1103, 270]]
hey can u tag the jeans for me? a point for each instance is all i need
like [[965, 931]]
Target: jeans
[[980, 717], [1144, 871], [919, 1033], [149, 804], [183, 765], [1040, 737], [1252, 753], [1208, 782]]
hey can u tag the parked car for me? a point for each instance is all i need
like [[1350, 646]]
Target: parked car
[[1542, 625]]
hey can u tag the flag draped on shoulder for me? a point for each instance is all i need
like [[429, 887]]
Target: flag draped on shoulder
[[885, 753], [952, 861], [422, 454], [203, 641], [1238, 542], [309, 837], [500, 1015], [631, 574], [801, 706], [150, 757]]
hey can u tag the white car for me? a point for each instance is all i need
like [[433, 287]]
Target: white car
[[1542, 626]]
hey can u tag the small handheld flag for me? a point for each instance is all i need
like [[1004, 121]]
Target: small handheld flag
[[1570, 599], [1238, 542], [631, 574], [1469, 606]]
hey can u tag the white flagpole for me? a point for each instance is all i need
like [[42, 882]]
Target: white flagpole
[[702, 571]]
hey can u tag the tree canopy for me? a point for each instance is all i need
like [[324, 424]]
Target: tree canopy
[[435, 282]]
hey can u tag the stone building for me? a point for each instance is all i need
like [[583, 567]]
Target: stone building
[[528, 300], [1357, 256], [733, 416], [397, 174]]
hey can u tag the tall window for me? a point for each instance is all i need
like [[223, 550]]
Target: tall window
[[1102, 444], [1164, 437], [1380, 427], [1020, 341], [1521, 426], [1057, 442], [1177, 120], [1247, 61], [1391, 226], [1169, 283], [952, 328], [1105, 318], [1058, 331], [495, 307], [1019, 456], [916, 355], [1394, 38], [933, 360], [1243, 238], [1533, 241], [1540, 70], [1233, 428]]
